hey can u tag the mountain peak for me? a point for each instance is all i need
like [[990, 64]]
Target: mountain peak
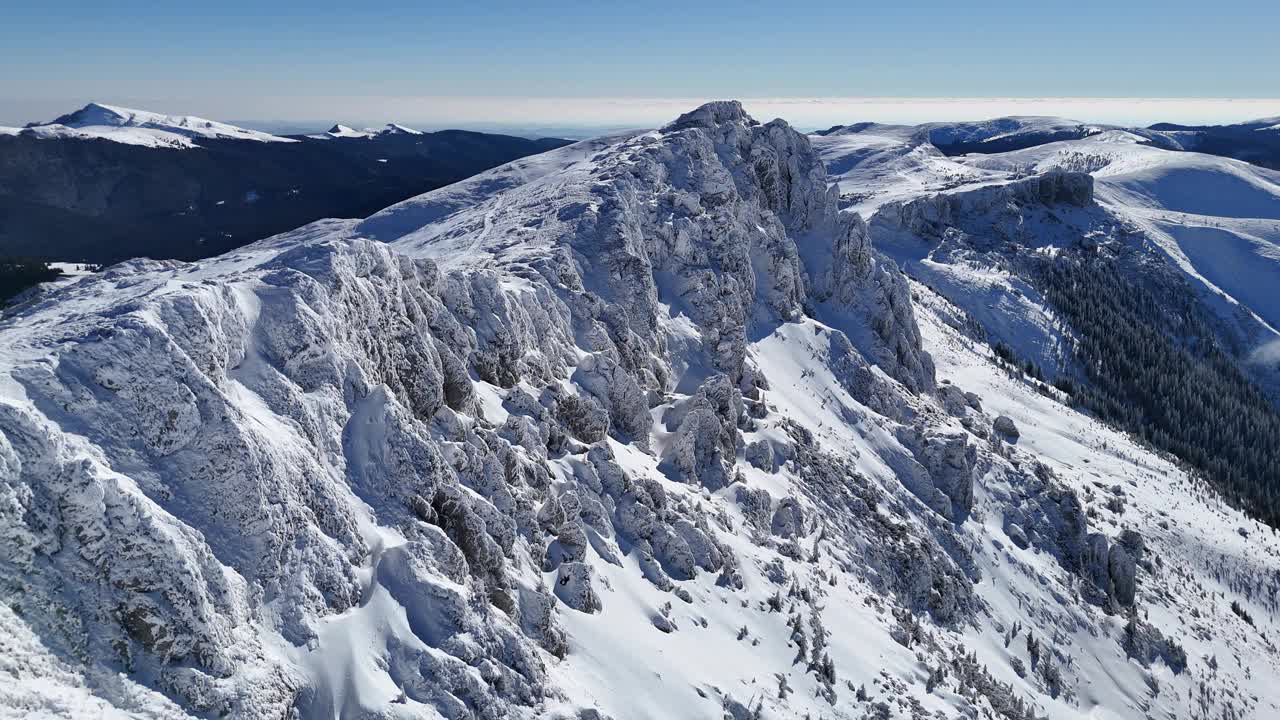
[[96, 113], [395, 129], [344, 131], [712, 114], [142, 127]]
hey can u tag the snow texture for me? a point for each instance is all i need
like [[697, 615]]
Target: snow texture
[[642, 427], [139, 127]]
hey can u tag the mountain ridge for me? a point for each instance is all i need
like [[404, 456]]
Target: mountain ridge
[[646, 426], [78, 196]]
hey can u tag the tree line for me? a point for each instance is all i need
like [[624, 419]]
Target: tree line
[[1151, 365]]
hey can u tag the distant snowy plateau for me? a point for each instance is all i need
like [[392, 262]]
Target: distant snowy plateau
[[698, 422]]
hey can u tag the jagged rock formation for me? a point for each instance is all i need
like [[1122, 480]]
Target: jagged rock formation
[[931, 215], [455, 459]]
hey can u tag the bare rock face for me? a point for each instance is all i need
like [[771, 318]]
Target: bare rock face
[[1006, 427], [930, 216]]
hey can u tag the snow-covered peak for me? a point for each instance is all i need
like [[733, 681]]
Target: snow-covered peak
[[345, 132], [1271, 124], [342, 131], [1263, 123], [396, 129], [141, 127], [98, 114], [719, 112], [986, 131]]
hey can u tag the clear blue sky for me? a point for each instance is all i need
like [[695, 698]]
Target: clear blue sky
[[289, 60]]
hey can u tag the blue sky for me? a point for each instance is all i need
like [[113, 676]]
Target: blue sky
[[300, 61]]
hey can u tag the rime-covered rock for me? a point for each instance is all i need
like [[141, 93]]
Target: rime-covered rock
[[788, 519], [574, 588], [707, 438], [929, 216], [760, 455], [425, 447]]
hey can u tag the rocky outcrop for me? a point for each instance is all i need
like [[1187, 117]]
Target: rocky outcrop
[[1113, 567], [707, 439], [930, 216], [272, 447], [942, 473], [1004, 425], [1049, 517]]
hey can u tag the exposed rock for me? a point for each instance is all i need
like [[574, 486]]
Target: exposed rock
[[1006, 426], [942, 474], [788, 519], [760, 455], [930, 216]]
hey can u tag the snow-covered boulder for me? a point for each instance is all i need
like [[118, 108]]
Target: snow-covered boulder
[[574, 587]]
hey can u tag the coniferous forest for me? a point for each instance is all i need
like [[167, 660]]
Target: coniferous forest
[[1153, 367], [18, 274]]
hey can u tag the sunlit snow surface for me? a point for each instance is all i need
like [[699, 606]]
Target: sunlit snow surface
[[1216, 218], [724, 646], [140, 127]]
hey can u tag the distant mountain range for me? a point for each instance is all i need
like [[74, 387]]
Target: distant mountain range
[[1255, 141], [105, 183]]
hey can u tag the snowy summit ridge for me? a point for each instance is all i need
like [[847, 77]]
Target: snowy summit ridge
[[140, 127], [643, 426]]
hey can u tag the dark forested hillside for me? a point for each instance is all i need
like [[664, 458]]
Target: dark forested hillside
[[1152, 367], [1256, 143], [17, 275], [97, 200]]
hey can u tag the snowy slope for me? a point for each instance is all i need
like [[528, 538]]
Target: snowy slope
[[642, 427], [1216, 218], [343, 131], [139, 127], [340, 131], [874, 164], [1006, 132]]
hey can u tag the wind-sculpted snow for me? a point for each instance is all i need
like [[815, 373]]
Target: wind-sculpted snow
[[640, 427]]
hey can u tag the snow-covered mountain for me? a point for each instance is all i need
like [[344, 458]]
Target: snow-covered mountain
[[1215, 219], [648, 426], [343, 131], [105, 184], [139, 127]]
